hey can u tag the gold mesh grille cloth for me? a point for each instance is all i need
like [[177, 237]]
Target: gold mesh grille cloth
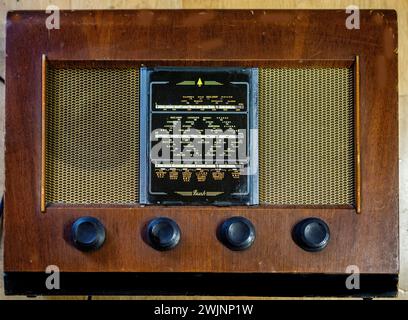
[[92, 135], [306, 136]]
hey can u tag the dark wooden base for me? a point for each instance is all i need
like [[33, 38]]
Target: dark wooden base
[[220, 284]]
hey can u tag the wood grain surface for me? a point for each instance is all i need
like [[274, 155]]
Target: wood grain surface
[[402, 12]]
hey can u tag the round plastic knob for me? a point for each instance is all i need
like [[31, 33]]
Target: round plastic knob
[[163, 233], [311, 234], [237, 233], [88, 233]]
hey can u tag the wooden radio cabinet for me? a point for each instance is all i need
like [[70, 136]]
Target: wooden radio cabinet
[[325, 123]]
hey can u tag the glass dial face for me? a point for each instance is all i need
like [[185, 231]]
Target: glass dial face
[[199, 135]]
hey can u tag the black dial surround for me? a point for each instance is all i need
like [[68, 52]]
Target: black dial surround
[[213, 109]]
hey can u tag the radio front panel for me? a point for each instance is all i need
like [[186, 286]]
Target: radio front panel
[[209, 131], [236, 156]]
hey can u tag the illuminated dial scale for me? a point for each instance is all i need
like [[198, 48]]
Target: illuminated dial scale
[[198, 139]]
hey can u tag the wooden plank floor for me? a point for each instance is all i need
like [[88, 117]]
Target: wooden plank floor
[[400, 5]]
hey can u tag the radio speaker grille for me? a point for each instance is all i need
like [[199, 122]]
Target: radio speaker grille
[[92, 135], [306, 136]]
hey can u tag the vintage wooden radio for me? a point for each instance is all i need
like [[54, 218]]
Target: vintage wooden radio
[[202, 152]]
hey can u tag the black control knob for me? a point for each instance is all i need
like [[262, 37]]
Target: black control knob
[[311, 234], [88, 233], [237, 233], [163, 233]]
